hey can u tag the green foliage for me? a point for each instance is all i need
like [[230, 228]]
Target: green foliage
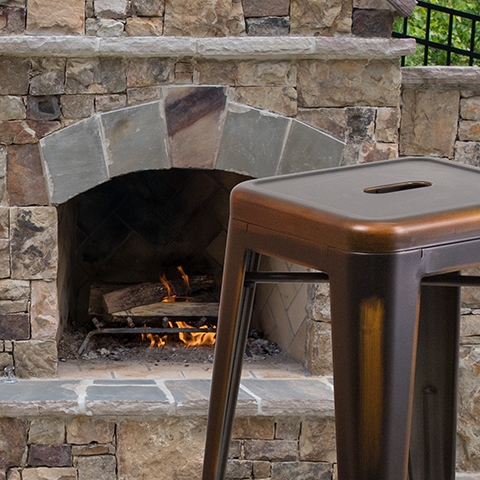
[[439, 23]]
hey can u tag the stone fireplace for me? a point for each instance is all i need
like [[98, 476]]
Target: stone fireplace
[[141, 189], [206, 130]]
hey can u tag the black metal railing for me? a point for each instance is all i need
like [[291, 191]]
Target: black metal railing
[[443, 47]]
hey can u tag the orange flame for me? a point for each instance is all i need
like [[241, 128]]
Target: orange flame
[[193, 339], [156, 340], [190, 339], [170, 297], [184, 276]]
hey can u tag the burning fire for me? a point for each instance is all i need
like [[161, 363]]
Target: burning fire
[[191, 339], [155, 340]]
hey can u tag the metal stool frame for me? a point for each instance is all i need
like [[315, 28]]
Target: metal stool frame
[[395, 327]]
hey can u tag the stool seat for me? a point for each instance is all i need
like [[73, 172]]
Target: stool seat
[[376, 230], [379, 207]]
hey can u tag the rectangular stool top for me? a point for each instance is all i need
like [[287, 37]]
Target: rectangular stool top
[[386, 206]]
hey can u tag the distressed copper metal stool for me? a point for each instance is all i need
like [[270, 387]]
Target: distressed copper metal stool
[[386, 234]]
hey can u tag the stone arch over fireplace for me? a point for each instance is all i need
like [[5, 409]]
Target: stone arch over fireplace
[[190, 127]]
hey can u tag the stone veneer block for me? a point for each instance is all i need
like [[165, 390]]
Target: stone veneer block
[[12, 20], [77, 106], [104, 27], [4, 259], [111, 8], [148, 8], [25, 131], [339, 83], [470, 108], [281, 100], [254, 427], [309, 149], [142, 27], [35, 358], [431, 133], [74, 160], [268, 26], [101, 466], [34, 243], [13, 433], [44, 310], [14, 295], [51, 17], [47, 473], [320, 17], [317, 440], [12, 108], [372, 23], [317, 470], [84, 430], [134, 139], [151, 449], [194, 120], [43, 108], [329, 120], [150, 72], [469, 130], [271, 73], [14, 326], [3, 199], [50, 456], [14, 79], [265, 8], [252, 141], [46, 431], [273, 450], [25, 180], [4, 223], [304, 396], [204, 18], [95, 75], [468, 153], [48, 76]]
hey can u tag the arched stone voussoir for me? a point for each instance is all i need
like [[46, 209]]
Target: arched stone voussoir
[[191, 127]]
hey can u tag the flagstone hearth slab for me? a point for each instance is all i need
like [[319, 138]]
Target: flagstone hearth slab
[[157, 397]]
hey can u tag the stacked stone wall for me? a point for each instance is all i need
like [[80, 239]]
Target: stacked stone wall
[[196, 18], [87, 448]]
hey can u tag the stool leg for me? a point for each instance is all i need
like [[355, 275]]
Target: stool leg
[[375, 303], [233, 322], [432, 446]]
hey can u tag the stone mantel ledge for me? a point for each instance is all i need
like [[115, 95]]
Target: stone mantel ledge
[[428, 77], [309, 397], [215, 48]]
